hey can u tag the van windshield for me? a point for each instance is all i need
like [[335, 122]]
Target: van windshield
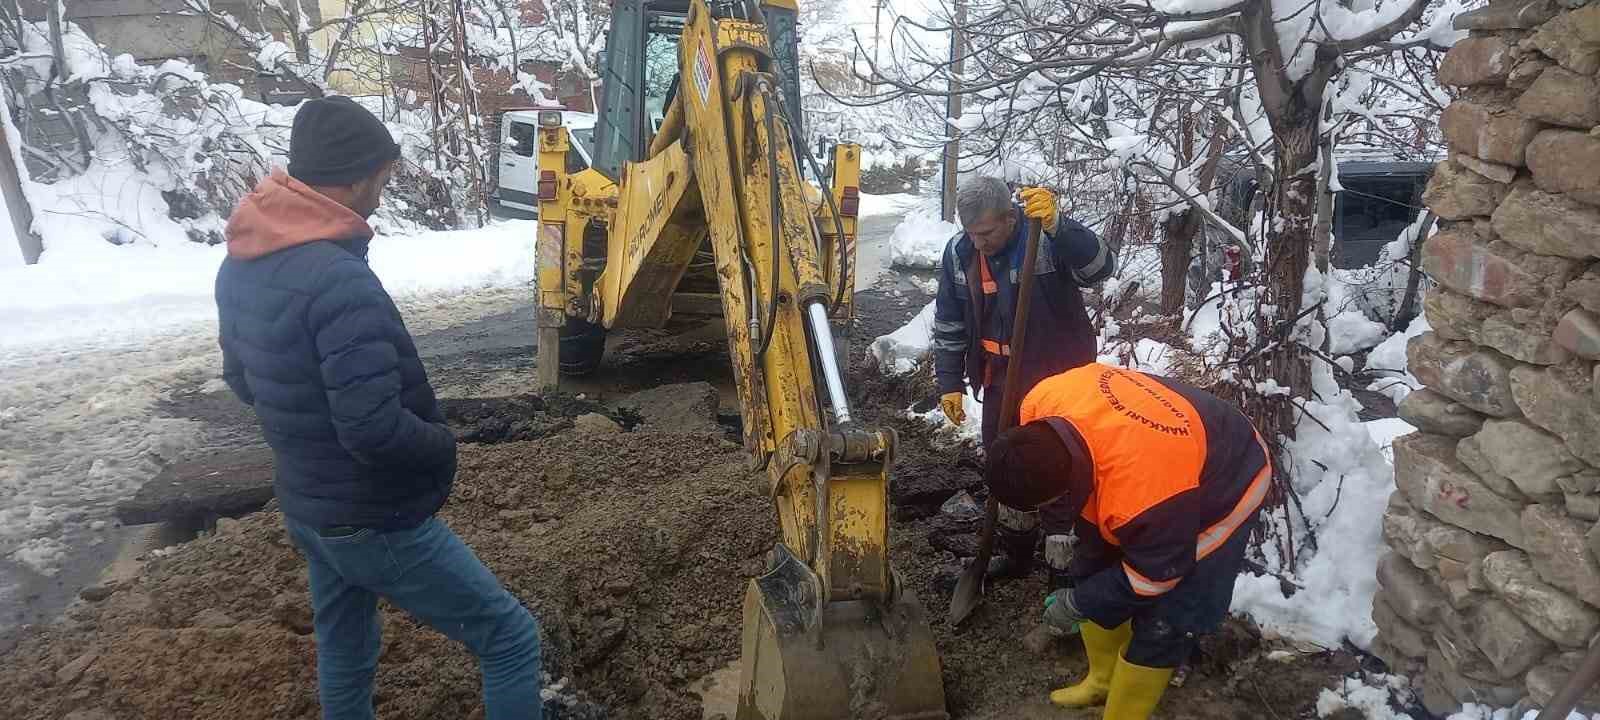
[[584, 139]]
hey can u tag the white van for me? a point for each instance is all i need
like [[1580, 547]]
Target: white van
[[519, 154]]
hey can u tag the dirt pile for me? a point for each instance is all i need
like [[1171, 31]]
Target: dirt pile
[[631, 548], [520, 417]]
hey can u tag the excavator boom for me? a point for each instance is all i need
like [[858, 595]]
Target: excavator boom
[[714, 186]]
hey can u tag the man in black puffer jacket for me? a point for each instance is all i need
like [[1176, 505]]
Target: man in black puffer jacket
[[363, 460]]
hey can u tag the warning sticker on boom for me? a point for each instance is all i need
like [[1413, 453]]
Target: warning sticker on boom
[[702, 74]]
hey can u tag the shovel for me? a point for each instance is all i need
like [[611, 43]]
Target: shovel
[[969, 590]]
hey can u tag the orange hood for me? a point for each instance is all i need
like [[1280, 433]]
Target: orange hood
[[283, 212]]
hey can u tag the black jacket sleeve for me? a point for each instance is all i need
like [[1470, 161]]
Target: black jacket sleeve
[[1090, 259], [950, 323], [1158, 550], [354, 327]]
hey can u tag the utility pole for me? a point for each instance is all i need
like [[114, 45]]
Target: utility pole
[[952, 146], [877, 21]]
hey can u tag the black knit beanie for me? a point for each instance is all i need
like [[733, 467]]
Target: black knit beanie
[[336, 142], [1027, 466]]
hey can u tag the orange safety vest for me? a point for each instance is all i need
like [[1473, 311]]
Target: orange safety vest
[[991, 346], [1147, 444]]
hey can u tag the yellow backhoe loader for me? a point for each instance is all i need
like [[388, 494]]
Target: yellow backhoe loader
[[695, 203]]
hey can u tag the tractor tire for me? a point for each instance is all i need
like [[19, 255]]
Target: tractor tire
[[583, 346]]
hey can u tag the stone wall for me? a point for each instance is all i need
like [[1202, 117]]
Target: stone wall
[[1491, 591]]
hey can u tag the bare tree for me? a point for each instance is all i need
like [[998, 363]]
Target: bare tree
[[1160, 88]]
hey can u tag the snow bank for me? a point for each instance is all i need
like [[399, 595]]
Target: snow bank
[[893, 204], [1370, 699], [87, 289], [1384, 432], [1387, 362], [1473, 711], [1352, 331], [919, 240], [1374, 698], [1344, 484], [898, 352], [1146, 355]]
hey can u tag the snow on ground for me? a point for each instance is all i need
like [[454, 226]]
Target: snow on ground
[[898, 352], [1344, 484], [1146, 355], [1387, 362], [1352, 331], [1472, 711], [87, 290], [920, 239], [1370, 697], [1374, 696], [1385, 431], [893, 204], [97, 334]]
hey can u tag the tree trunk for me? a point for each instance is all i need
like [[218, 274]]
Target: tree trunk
[[1323, 234], [1289, 242], [1177, 249], [58, 48], [1408, 302]]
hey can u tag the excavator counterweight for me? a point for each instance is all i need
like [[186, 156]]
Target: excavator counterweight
[[697, 202]]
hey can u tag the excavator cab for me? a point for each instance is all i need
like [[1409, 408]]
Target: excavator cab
[[639, 73], [698, 202]]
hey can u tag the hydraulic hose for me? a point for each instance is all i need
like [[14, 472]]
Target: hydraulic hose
[[777, 225]]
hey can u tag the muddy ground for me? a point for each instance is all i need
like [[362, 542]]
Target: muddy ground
[[631, 545]]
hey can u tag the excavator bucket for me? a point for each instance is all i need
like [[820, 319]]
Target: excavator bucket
[[804, 659]]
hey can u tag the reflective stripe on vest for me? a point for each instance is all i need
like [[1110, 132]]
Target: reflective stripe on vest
[[990, 345], [1146, 443], [1145, 587], [989, 286]]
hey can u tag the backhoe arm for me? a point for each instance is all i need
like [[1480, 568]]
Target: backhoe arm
[[828, 632]]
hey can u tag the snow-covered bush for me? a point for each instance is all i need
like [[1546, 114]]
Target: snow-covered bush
[[920, 239]]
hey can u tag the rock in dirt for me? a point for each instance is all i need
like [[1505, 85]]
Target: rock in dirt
[[1039, 639], [99, 591], [293, 612], [597, 424], [70, 672], [921, 484], [518, 417], [212, 618], [684, 407], [227, 482]]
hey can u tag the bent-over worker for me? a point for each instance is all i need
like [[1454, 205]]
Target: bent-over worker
[[978, 291], [362, 459], [1165, 481]]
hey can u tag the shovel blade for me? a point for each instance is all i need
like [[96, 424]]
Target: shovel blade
[[969, 592]]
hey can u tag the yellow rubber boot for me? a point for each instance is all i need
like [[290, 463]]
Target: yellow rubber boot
[[1135, 691], [1104, 649]]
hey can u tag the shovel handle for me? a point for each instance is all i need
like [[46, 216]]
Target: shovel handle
[[1010, 408]]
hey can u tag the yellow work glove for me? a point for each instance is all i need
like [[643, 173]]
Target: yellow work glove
[[951, 404], [1040, 204]]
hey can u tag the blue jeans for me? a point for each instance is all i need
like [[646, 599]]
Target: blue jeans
[[428, 572]]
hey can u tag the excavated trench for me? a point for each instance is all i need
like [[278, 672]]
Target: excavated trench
[[630, 529]]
